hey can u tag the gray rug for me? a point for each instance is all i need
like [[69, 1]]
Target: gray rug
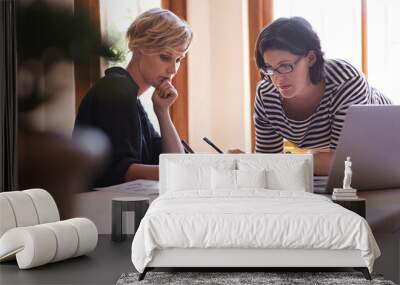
[[230, 278]]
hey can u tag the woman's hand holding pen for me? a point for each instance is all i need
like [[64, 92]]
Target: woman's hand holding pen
[[236, 150], [163, 97]]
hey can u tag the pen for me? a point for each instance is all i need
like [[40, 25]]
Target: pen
[[212, 145], [187, 148]]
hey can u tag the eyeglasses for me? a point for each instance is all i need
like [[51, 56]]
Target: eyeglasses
[[281, 69]]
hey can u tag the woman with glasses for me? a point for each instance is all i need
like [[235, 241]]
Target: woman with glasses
[[158, 40], [301, 96]]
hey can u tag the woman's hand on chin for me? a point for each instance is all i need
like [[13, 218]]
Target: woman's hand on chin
[[163, 97]]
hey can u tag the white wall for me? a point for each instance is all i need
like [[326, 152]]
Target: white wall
[[218, 74]]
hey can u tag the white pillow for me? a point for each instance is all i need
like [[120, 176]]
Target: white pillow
[[294, 179], [251, 178], [184, 177], [193, 173], [282, 174], [223, 179], [226, 179]]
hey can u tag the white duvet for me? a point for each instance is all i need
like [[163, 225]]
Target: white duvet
[[250, 219]]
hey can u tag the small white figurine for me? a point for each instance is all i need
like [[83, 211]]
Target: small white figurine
[[347, 174]]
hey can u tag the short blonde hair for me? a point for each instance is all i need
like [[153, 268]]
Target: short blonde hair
[[159, 29]]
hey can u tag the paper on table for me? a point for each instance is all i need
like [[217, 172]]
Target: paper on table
[[140, 186]]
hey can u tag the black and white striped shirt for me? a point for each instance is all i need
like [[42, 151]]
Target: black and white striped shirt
[[344, 86]]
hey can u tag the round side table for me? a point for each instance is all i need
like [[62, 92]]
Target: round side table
[[139, 205]]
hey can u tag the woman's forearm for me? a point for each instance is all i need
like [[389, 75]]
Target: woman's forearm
[[322, 162], [141, 171], [170, 141]]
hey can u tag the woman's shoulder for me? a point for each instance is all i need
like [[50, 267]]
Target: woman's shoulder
[[340, 70], [120, 76], [266, 87], [115, 82]]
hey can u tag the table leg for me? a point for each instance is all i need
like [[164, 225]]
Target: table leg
[[116, 231], [140, 210]]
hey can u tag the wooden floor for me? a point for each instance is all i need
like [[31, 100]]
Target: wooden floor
[[102, 266]]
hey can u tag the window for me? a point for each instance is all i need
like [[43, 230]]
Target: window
[[340, 37], [115, 20], [384, 46]]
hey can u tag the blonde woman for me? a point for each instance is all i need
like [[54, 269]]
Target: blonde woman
[[158, 40]]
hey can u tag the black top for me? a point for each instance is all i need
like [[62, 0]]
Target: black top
[[112, 106]]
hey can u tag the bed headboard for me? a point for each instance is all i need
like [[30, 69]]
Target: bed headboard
[[295, 169]]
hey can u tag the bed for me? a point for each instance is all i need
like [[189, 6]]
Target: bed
[[248, 210]]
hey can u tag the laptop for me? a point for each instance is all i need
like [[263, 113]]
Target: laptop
[[371, 137]]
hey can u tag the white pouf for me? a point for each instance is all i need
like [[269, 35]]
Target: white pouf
[[31, 233]]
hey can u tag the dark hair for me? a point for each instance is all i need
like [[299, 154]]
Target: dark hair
[[294, 35]]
